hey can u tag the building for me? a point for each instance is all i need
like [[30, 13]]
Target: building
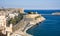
[[20, 10], [12, 15], [32, 15], [2, 20]]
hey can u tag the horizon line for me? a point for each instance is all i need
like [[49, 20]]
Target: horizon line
[[35, 8]]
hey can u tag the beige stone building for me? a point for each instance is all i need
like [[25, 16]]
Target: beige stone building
[[20, 10], [2, 20]]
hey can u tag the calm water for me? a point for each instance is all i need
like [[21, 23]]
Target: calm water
[[49, 27]]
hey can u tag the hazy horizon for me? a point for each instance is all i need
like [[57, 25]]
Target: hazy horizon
[[31, 4]]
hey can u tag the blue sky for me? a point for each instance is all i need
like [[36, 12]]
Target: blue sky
[[31, 4]]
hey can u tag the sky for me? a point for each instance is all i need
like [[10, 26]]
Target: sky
[[31, 4]]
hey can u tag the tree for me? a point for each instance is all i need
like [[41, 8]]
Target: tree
[[37, 17], [34, 12], [29, 13], [13, 21], [16, 19]]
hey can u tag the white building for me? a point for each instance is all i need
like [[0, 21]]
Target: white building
[[2, 20], [12, 15]]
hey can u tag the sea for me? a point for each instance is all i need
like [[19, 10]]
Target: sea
[[49, 27]]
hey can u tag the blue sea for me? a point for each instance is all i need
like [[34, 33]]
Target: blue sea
[[49, 27]]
